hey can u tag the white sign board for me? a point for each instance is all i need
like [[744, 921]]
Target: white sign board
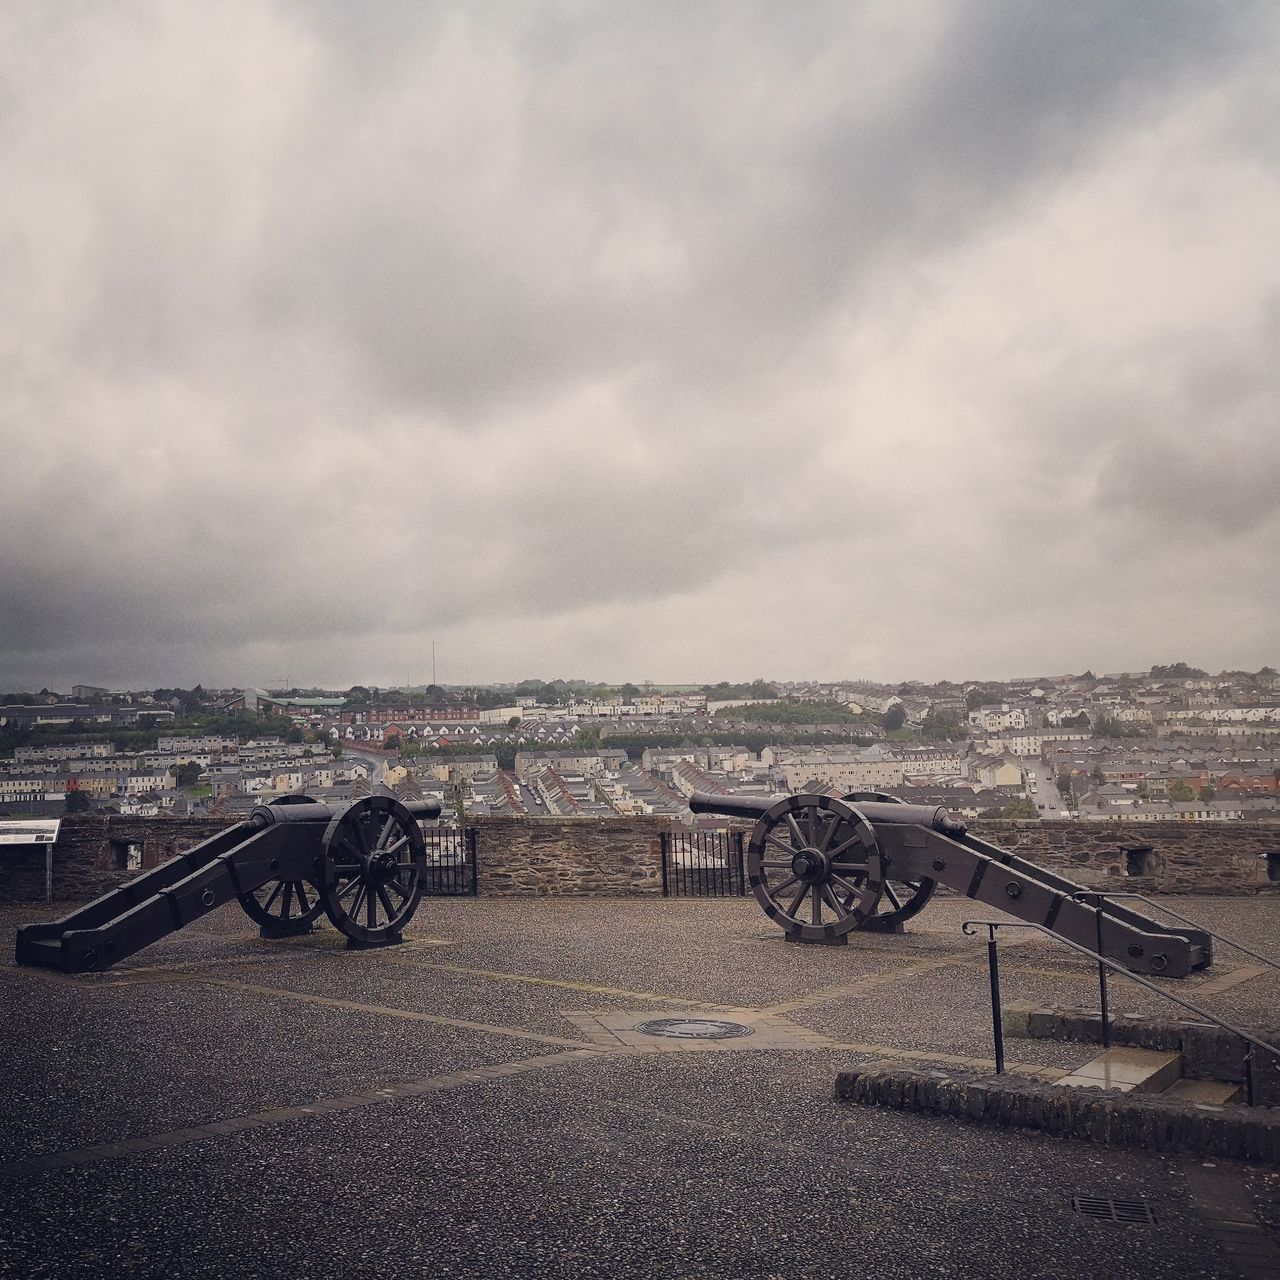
[[29, 830]]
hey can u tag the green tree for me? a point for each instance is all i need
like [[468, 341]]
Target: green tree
[[1178, 671], [187, 775], [1099, 778], [789, 711], [941, 726], [337, 750], [1019, 808], [78, 802], [391, 742], [895, 717], [1208, 791], [1180, 791]]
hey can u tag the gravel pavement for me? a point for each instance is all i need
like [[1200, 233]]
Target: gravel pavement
[[220, 1105]]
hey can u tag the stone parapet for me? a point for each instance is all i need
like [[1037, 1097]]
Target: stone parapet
[[556, 857], [1186, 857], [599, 856], [92, 855]]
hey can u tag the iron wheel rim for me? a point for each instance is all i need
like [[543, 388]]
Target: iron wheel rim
[[372, 864], [814, 866]]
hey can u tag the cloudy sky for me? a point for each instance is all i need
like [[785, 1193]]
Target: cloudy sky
[[660, 341]]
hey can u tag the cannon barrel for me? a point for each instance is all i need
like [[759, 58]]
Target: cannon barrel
[[752, 807], [755, 807], [267, 815]]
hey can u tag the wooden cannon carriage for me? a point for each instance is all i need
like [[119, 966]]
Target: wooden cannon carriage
[[822, 867], [362, 865]]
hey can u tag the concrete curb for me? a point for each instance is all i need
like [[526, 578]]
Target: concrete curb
[[1095, 1115]]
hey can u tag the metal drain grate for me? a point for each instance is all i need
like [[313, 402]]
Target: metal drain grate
[[1114, 1210], [693, 1028]]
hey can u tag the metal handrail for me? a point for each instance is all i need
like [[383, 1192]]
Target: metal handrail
[[1177, 915], [969, 927]]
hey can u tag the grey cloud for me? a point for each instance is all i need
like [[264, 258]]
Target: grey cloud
[[439, 321]]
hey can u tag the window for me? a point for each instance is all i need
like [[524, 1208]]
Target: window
[[128, 854]]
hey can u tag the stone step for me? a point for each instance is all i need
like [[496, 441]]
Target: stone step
[[1129, 1070], [1214, 1092]]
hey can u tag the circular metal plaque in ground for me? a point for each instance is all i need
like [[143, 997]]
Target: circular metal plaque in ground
[[693, 1028]]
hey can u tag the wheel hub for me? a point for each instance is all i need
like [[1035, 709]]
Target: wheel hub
[[381, 868], [810, 865]]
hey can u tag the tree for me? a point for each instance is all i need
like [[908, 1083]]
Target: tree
[[1180, 791], [513, 722], [1177, 671], [337, 750], [1099, 778], [1207, 792], [895, 717], [78, 802], [391, 742], [941, 725], [1020, 808], [187, 775]]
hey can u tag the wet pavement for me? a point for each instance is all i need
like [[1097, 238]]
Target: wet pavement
[[485, 1101]]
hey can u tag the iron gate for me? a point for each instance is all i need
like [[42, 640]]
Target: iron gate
[[703, 864], [451, 862]]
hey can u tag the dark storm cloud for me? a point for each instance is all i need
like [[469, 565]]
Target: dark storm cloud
[[553, 332]]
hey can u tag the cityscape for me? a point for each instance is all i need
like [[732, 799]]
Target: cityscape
[[1169, 743], [637, 641]]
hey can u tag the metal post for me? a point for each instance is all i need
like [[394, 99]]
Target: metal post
[[1102, 975], [993, 968], [663, 845], [48, 872], [737, 857]]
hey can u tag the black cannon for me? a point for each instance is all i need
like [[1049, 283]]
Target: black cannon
[[822, 867], [362, 865]]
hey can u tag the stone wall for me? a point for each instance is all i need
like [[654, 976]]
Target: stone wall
[[1187, 857], [1150, 1122], [553, 857], [91, 853], [602, 856]]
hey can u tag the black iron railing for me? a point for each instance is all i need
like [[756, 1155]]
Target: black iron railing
[[703, 864], [451, 862], [970, 927]]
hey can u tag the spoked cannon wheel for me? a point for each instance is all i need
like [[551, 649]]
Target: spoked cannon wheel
[[282, 908], [814, 866], [371, 867], [902, 899]]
